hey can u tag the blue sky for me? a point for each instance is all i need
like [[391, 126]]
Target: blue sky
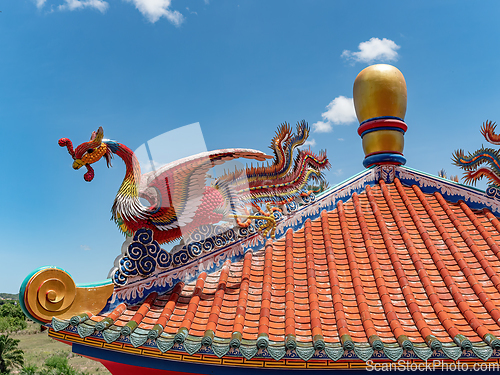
[[140, 68]]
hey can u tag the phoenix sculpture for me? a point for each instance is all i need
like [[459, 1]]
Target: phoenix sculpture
[[179, 197]]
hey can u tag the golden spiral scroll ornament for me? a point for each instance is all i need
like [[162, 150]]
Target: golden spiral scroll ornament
[[51, 292]]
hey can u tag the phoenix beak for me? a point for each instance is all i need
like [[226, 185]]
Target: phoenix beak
[[78, 163]]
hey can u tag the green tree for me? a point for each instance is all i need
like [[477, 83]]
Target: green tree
[[12, 318], [12, 309], [10, 355], [10, 324]]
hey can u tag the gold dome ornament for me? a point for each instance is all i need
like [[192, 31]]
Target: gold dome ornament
[[379, 90], [379, 94], [50, 292]]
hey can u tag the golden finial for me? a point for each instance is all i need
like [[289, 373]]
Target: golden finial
[[380, 101], [379, 90]]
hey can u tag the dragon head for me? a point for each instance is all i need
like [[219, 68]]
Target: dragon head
[[88, 152]]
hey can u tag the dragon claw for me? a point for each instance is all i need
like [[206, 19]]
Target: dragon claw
[[268, 227]]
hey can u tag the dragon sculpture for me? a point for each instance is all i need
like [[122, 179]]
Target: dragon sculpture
[[485, 162], [180, 200]]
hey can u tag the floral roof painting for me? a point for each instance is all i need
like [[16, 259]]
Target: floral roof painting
[[276, 271]]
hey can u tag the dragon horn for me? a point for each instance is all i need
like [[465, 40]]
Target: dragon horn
[[96, 137], [66, 142]]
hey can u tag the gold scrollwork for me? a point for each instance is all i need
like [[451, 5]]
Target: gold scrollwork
[[51, 292]]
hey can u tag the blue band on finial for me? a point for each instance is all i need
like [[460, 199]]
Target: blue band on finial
[[386, 158], [382, 128]]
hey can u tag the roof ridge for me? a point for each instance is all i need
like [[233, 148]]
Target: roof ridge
[[364, 312], [312, 290], [239, 319], [290, 334], [265, 310], [194, 301], [338, 303], [215, 309]]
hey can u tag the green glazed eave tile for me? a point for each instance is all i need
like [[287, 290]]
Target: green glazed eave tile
[[59, 325], [276, 350], [192, 346], [164, 344], [422, 351], [363, 350], [248, 351], [85, 330], [452, 351], [220, 350], [111, 334], [334, 353], [483, 351], [137, 338], [393, 352], [305, 351]]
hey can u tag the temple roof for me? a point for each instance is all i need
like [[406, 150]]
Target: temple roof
[[393, 263]]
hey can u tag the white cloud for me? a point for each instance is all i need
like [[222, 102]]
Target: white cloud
[[100, 5], [322, 127], [374, 49], [153, 10], [85, 247], [340, 111], [338, 172], [40, 3]]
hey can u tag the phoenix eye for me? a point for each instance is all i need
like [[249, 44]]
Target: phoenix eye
[[90, 150]]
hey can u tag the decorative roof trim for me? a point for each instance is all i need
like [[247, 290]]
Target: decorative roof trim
[[274, 352]]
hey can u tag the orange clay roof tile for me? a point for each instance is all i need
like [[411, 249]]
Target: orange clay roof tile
[[390, 266]]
